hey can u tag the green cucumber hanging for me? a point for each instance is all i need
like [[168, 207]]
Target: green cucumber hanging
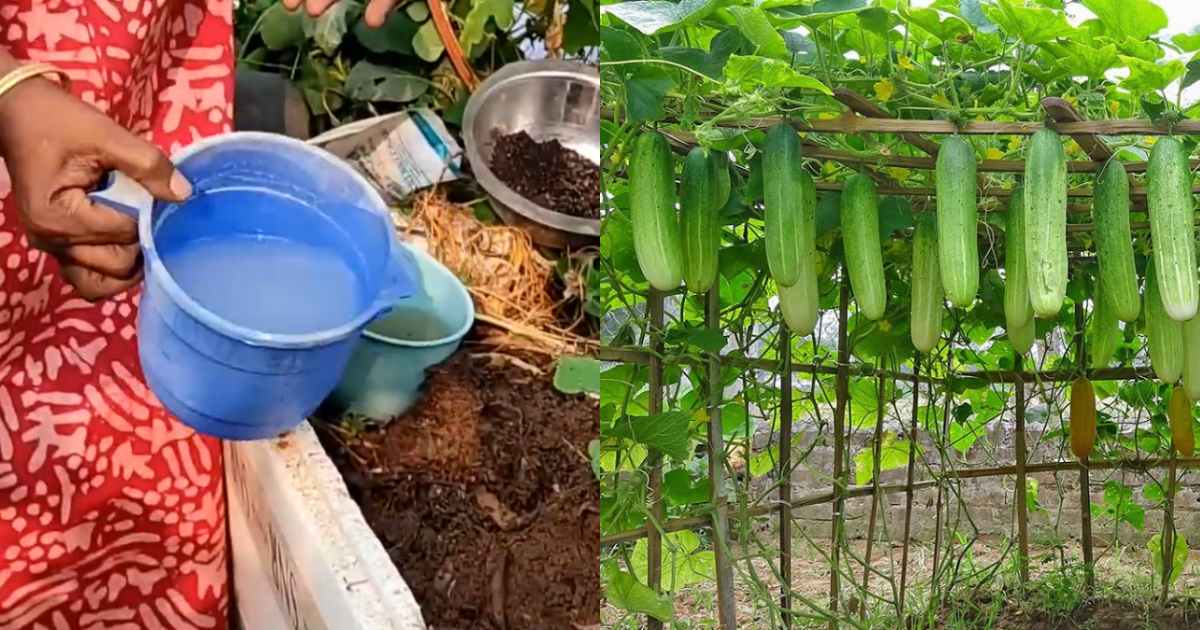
[[957, 214], [1172, 235], [702, 194], [1046, 223], [860, 242], [928, 300], [656, 235], [1114, 243]]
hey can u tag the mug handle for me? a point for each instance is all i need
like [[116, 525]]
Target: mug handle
[[121, 193]]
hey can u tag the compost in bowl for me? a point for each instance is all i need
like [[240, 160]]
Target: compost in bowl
[[258, 286]]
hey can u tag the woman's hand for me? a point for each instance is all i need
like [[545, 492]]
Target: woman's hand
[[57, 148], [374, 16]]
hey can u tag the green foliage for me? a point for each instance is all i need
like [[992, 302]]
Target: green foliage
[[576, 375], [1179, 556]]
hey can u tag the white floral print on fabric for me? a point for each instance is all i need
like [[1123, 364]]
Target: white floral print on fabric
[[112, 513]]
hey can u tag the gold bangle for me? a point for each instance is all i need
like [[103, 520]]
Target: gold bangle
[[29, 71]]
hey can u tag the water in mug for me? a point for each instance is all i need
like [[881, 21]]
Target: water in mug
[[267, 284]]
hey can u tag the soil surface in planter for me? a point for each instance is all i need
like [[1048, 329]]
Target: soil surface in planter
[[548, 174], [485, 499]]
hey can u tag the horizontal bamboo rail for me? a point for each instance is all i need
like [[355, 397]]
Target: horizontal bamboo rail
[[851, 123], [699, 522], [642, 357], [926, 163], [1136, 192]]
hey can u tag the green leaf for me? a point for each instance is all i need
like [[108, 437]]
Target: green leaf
[[1189, 41], [623, 590], [681, 490], [417, 11], [709, 339], [581, 29], [1179, 556], [1145, 76], [577, 375], [427, 43], [733, 422], [682, 561], [645, 85], [280, 28], [764, 462], [930, 20], [1083, 60], [395, 36], [816, 12], [1031, 495], [756, 28], [710, 62], [1138, 19], [329, 29], [370, 82], [1032, 24], [893, 454], [667, 432], [1193, 72], [749, 71], [473, 29], [1153, 492], [652, 16]]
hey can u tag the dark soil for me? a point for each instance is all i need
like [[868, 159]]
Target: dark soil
[[485, 499], [1096, 614], [548, 174]]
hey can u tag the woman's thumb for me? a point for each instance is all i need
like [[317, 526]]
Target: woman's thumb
[[149, 166]]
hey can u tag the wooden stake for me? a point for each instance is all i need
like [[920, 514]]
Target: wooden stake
[[785, 476], [839, 423], [1021, 459], [653, 538], [1085, 488], [1168, 534], [726, 604], [908, 486], [876, 497]]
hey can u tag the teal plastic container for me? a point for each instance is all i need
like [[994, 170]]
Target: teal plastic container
[[384, 375]]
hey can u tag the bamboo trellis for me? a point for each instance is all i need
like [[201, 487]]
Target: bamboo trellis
[[864, 116]]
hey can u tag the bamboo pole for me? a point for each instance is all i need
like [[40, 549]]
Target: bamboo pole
[[657, 514], [839, 423], [785, 476], [908, 485], [726, 604], [1167, 539], [876, 450], [854, 124], [1022, 484], [1085, 484]]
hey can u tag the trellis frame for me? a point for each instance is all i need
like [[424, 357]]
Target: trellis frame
[[864, 116]]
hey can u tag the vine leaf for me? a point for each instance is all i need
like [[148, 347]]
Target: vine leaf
[[755, 26], [281, 29], [667, 432], [1146, 76], [427, 43], [371, 82], [678, 487], [646, 85], [654, 16], [1179, 556], [623, 590], [1189, 41], [1033, 25], [477, 18], [329, 30], [683, 563], [577, 375], [1138, 19], [395, 35], [751, 71], [973, 13], [893, 454]]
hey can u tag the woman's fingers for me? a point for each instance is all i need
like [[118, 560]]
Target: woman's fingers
[[121, 262], [317, 7], [377, 11], [92, 285], [146, 164], [73, 219]]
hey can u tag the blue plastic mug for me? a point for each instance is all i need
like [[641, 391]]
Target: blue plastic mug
[[257, 287]]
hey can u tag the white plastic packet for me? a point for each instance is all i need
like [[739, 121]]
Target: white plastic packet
[[399, 153]]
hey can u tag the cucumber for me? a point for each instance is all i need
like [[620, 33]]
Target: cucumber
[[1114, 243], [860, 242], [1103, 333], [1021, 336], [1169, 197], [1179, 413], [656, 235], [957, 214], [927, 298], [1017, 310], [1046, 223], [1083, 418], [800, 302], [783, 203], [700, 201], [1164, 336], [1191, 358]]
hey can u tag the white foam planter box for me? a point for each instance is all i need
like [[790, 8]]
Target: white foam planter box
[[303, 555]]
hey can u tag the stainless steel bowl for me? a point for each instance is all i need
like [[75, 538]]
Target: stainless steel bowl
[[547, 99]]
